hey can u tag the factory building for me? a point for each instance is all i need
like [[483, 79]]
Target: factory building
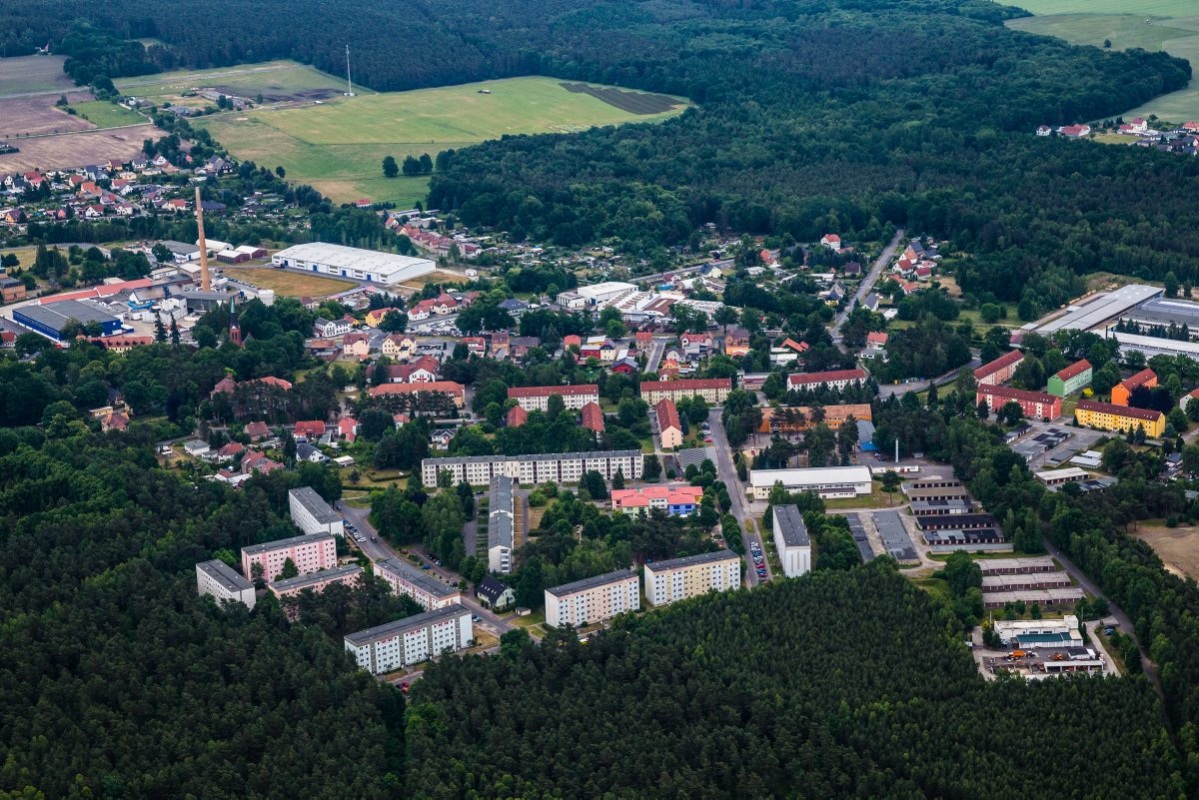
[[353, 263], [53, 319]]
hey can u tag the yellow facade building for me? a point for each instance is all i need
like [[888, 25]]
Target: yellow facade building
[[1108, 417]]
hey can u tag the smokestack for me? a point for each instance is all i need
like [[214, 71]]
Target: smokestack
[[205, 281]]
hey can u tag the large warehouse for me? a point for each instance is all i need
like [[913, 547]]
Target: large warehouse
[[353, 263], [49, 320]]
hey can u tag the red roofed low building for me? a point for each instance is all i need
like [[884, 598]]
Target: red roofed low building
[[537, 398], [516, 417], [1000, 370], [670, 429], [832, 379], [643, 339], [347, 428], [475, 345], [832, 241], [231, 450], [258, 430], [876, 339], [121, 344], [674, 501], [714, 390], [455, 390], [572, 340], [115, 421], [787, 352], [1075, 131], [310, 429], [593, 417], [1033, 405]]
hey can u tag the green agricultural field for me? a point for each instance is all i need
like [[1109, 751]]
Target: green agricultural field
[[104, 114], [339, 146], [277, 81], [29, 74], [1169, 25]]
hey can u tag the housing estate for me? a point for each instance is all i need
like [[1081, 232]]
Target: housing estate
[[426, 590], [677, 579], [531, 469], [217, 579], [398, 644], [536, 398], [593, 599], [713, 390], [309, 553], [312, 514]]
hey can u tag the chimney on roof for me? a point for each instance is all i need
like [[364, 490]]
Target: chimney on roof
[[205, 281]]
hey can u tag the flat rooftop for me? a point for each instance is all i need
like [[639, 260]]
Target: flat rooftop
[[789, 523], [312, 578], [1101, 308], [278, 544], [225, 575], [1166, 310], [56, 315], [373, 261], [315, 505], [401, 626], [991, 566], [591, 583], [691, 561], [417, 577]]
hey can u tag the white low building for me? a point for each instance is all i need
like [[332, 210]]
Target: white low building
[[404, 642], [792, 541], [1039, 632], [828, 482], [219, 580], [312, 514], [353, 263]]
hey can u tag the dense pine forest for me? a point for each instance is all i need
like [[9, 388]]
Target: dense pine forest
[[847, 684]]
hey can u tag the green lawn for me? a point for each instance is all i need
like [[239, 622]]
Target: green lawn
[[33, 74], [338, 146], [104, 114], [1169, 25], [277, 81]]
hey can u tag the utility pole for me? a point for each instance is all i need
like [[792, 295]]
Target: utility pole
[[349, 85]]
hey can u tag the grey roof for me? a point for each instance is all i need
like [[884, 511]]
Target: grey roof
[[501, 522], [301, 581], [315, 504], [179, 248], [224, 574], [56, 315], [400, 626], [1165, 311], [418, 578], [701, 558], [595, 454], [491, 588], [895, 536], [591, 583], [919, 506], [267, 547], [790, 524]]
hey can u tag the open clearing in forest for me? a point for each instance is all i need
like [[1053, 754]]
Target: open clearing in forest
[[338, 146], [277, 81], [1169, 25], [286, 283], [1177, 547], [28, 74]]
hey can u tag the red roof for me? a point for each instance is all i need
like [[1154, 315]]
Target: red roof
[[812, 378], [1146, 414], [668, 415], [690, 383], [876, 338], [1020, 395], [1140, 379], [1005, 360], [517, 416], [542, 391], [446, 387], [1077, 368], [312, 427], [593, 417]]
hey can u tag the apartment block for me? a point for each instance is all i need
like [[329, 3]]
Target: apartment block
[[792, 541], [404, 642], [312, 514], [316, 581], [1073, 378], [796, 419], [309, 553], [452, 389], [532, 469], [537, 398], [507, 524], [593, 599], [1110, 417], [429, 592], [219, 580], [668, 582], [833, 379], [1000, 370], [670, 428], [1122, 392], [714, 390], [1033, 405]]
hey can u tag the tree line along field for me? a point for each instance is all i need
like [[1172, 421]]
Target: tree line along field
[[1167, 25], [338, 147]]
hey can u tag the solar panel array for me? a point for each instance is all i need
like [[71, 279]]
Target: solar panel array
[[895, 536], [859, 537]]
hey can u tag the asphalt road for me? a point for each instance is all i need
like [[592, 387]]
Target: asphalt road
[[380, 549], [728, 474], [656, 351], [867, 284], [886, 390]]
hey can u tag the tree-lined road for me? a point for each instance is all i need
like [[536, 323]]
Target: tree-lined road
[[727, 473], [867, 284]]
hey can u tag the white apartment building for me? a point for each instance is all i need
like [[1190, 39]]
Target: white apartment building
[[537, 398], [532, 469], [791, 540], [828, 482], [219, 580], [667, 582], [714, 390], [429, 592], [593, 599], [506, 523], [833, 379], [312, 514], [398, 644], [309, 553]]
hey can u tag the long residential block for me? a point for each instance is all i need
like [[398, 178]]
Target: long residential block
[[312, 514], [1073, 378], [714, 390], [537, 398], [593, 599], [507, 522], [317, 581], [1000, 370], [404, 642], [1110, 417], [427, 591], [309, 553], [791, 541], [531, 469], [668, 582], [1033, 405], [832, 379], [219, 580]]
